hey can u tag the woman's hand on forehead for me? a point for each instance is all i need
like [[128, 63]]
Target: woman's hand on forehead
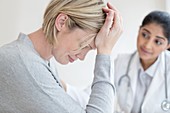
[[110, 31]]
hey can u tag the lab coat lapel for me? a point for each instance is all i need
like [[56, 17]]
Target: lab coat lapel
[[133, 74], [157, 80]]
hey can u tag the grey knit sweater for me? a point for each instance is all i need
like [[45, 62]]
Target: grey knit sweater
[[29, 85]]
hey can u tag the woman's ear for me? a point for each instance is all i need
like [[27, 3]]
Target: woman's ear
[[60, 21]]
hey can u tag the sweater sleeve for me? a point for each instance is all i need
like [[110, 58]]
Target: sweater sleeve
[[102, 96]]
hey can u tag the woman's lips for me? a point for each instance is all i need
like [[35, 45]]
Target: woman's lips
[[70, 59]]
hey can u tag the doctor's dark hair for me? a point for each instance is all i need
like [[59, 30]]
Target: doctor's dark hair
[[161, 18]]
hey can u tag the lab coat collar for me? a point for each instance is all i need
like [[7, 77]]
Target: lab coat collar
[[157, 80], [151, 70]]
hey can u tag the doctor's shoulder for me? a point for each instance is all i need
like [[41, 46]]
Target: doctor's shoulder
[[167, 53], [121, 63], [122, 59]]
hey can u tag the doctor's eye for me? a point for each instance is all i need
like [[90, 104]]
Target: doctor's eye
[[145, 35], [158, 42]]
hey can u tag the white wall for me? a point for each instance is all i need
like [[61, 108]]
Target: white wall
[[26, 16], [19, 16], [167, 5]]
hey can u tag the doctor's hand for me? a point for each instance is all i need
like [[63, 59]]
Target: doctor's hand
[[110, 31]]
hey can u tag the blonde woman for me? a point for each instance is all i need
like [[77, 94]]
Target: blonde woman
[[28, 81]]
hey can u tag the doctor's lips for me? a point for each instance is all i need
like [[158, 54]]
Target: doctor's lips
[[145, 51]]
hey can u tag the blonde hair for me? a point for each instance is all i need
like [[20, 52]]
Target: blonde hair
[[85, 14]]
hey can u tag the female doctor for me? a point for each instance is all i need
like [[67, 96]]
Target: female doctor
[[142, 79]]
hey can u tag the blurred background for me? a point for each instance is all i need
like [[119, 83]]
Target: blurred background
[[26, 16]]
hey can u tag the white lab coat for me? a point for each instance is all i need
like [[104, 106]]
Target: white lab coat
[[156, 92], [125, 97]]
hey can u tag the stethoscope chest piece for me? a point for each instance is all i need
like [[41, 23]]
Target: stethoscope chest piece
[[165, 105]]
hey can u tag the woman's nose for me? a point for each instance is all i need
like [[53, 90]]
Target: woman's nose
[[82, 54], [148, 44]]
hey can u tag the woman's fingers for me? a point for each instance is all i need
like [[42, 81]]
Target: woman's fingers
[[109, 20], [117, 27], [110, 32], [111, 7], [117, 22]]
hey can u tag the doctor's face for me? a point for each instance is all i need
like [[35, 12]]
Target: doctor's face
[[151, 42]]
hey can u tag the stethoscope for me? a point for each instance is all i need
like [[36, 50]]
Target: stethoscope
[[165, 105]]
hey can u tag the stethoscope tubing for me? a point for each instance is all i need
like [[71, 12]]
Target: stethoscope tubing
[[164, 102]]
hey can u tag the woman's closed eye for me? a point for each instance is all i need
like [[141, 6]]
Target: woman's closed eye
[[85, 47], [85, 44], [88, 47]]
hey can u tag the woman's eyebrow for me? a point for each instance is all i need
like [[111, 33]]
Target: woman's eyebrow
[[163, 38], [146, 30], [160, 37]]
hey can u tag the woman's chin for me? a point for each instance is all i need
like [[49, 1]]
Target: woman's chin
[[63, 62]]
